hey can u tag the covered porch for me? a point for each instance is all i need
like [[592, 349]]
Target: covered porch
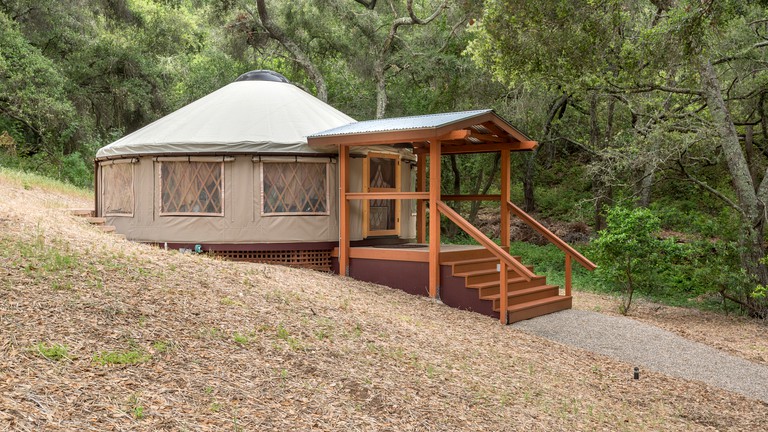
[[504, 286]]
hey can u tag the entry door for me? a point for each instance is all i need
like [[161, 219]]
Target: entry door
[[381, 173]]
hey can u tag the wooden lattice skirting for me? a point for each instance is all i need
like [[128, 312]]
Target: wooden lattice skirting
[[314, 259]]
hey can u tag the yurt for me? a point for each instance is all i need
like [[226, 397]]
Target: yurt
[[232, 174]]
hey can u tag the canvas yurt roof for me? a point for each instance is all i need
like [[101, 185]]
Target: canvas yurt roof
[[261, 112]]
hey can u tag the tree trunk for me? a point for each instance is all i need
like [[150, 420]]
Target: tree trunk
[[600, 188], [453, 229], [529, 197], [646, 184], [750, 203], [474, 208]]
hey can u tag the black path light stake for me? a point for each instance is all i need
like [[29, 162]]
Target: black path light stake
[[637, 373]]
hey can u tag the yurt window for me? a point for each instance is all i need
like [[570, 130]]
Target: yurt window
[[117, 188], [294, 188], [191, 188]]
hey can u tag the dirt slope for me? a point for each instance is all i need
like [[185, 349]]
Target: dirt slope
[[212, 345]]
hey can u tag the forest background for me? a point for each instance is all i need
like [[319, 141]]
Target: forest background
[[651, 115]]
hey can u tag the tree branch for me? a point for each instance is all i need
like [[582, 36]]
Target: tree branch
[[713, 191], [276, 33], [645, 88], [741, 54], [370, 4]]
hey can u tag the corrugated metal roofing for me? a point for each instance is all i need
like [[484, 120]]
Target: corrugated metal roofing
[[429, 121]]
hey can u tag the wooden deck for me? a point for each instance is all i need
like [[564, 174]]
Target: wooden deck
[[469, 278]]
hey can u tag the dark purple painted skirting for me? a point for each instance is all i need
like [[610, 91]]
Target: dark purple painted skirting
[[413, 278]]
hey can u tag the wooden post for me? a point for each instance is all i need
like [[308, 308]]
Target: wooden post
[[434, 218], [504, 188], [503, 292], [421, 207], [343, 210], [567, 274]]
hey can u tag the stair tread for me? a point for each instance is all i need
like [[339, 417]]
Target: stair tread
[[107, 228], [81, 212], [470, 261], [96, 220], [480, 285], [520, 292], [483, 272], [540, 302]]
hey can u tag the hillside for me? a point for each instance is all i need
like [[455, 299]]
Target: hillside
[[157, 340]]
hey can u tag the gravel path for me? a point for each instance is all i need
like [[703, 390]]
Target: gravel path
[[651, 348]]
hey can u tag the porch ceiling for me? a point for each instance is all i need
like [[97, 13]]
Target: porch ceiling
[[458, 132]]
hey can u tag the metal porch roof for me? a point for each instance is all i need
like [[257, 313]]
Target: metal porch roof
[[428, 121]]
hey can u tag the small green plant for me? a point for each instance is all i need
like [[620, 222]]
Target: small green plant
[[240, 338], [121, 357], [282, 333], [53, 352], [137, 410], [215, 407], [230, 302], [629, 252], [161, 346]]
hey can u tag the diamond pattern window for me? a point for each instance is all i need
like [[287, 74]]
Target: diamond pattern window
[[117, 189], [191, 188], [296, 188]]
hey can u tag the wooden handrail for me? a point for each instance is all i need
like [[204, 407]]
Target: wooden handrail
[[549, 235], [487, 243], [470, 197]]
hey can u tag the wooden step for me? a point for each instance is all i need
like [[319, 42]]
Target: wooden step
[[81, 212], [512, 285], [119, 236], [463, 266], [488, 275], [106, 228], [495, 282], [536, 308], [524, 295], [464, 254], [96, 220]]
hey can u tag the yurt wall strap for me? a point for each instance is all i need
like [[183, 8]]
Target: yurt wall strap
[[120, 161], [194, 159]]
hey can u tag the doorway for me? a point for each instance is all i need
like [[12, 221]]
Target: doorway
[[381, 173]]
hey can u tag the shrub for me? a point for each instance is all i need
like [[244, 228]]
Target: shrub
[[629, 253]]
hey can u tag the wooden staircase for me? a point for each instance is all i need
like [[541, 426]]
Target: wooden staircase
[[99, 222], [526, 299]]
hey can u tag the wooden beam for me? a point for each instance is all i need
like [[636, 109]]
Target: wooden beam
[[421, 207], [470, 197], [343, 211], [568, 274], [486, 148], [503, 297], [454, 135], [504, 188], [387, 195], [488, 138], [434, 219]]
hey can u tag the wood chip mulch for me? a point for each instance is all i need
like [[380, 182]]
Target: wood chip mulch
[[232, 346]]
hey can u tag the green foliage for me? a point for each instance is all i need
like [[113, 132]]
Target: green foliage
[[628, 252], [53, 352], [129, 357]]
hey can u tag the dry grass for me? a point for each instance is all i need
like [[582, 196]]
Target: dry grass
[[227, 346]]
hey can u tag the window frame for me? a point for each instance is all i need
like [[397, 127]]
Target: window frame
[[131, 162], [262, 194], [189, 160], [398, 187]]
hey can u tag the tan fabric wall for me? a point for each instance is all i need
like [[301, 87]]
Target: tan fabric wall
[[242, 221]]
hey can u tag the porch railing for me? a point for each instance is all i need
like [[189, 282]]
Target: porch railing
[[506, 260], [570, 252]]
